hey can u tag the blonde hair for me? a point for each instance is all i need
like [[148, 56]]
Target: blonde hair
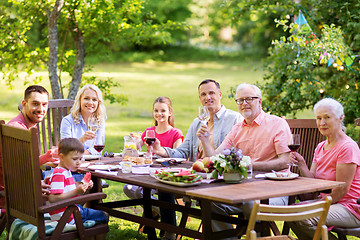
[[99, 114]]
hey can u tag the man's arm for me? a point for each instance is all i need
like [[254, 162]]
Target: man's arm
[[158, 149], [279, 163]]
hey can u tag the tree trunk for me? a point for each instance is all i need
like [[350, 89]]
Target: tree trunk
[[53, 49], [78, 66]]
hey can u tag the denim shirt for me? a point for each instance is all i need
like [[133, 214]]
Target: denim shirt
[[69, 129], [224, 120]]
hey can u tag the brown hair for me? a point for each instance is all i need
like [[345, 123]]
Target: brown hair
[[67, 145], [209, 81], [34, 88], [167, 101]]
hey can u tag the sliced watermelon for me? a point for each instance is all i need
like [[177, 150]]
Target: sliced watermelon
[[86, 178], [183, 173]]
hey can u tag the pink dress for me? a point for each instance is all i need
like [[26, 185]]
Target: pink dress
[[345, 151], [168, 138]]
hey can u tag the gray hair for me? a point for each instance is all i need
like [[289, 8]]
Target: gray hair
[[335, 107], [247, 85]]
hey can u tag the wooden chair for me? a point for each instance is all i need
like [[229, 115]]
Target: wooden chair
[[23, 193], [310, 137], [265, 212], [49, 128], [357, 123], [2, 193]]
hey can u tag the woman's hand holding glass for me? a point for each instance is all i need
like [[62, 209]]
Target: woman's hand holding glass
[[90, 135], [297, 159]]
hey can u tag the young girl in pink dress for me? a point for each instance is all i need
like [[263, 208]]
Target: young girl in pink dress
[[169, 136]]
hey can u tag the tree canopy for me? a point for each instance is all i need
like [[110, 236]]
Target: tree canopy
[[58, 34], [304, 66]]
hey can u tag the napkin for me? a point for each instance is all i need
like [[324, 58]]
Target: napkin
[[211, 180], [107, 172], [140, 170], [260, 175], [84, 165]]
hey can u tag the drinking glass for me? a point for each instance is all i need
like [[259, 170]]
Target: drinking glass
[[150, 139], [93, 126], [294, 144], [99, 145], [204, 116]]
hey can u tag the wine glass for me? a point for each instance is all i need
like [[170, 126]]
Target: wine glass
[[150, 139], [93, 124], [294, 144], [204, 116], [99, 145]]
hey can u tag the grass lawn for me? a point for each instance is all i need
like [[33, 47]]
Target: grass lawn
[[142, 83]]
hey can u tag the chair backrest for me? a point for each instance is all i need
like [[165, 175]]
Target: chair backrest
[[264, 212], [310, 137], [22, 176], [49, 128]]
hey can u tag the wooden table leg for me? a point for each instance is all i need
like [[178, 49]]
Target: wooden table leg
[[148, 213], [206, 219]]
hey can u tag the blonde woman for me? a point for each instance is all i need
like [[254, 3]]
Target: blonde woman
[[88, 103]]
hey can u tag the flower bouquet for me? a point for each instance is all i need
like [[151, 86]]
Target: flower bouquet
[[230, 161]]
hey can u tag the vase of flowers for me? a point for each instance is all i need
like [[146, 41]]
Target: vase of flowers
[[232, 164]]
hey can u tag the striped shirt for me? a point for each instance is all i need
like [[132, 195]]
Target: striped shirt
[[61, 181]]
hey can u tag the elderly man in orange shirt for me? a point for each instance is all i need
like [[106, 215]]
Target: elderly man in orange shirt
[[261, 136]]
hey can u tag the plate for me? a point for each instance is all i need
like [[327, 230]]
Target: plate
[[90, 157], [142, 165], [178, 160], [103, 167], [274, 177], [178, 184]]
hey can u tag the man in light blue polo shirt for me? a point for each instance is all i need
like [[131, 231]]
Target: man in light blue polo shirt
[[220, 123]]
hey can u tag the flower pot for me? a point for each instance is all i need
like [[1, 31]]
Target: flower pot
[[233, 177]]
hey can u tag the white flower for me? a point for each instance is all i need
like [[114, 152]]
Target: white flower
[[223, 164], [246, 160]]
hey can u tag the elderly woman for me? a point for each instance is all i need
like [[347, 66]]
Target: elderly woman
[[88, 104], [338, 159]]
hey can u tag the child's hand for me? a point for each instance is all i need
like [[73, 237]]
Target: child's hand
[[81, 188], [91, 184]]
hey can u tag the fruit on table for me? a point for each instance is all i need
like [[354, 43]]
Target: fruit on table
[[178, 175], [205, 165], [131, 146]]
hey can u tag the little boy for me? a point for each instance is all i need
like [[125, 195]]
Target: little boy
[[63, 185]]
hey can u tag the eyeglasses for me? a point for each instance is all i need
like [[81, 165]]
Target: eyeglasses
[[240, 101]]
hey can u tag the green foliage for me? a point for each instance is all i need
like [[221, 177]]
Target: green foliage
[[298, 72], [107, 87], [102, 23]]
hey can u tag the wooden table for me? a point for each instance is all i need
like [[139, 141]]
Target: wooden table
[[232, 194]]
